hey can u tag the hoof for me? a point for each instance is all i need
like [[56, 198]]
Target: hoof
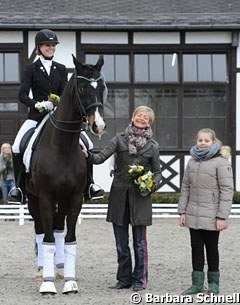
[[47, 288], [59, 274], [70, 287]]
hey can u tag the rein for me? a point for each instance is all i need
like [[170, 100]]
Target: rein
[[82, 110], [53, 121]]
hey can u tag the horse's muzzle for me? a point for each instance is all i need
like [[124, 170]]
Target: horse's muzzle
[[99, 129]]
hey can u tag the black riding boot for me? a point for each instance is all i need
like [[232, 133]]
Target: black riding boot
[[17, 192], [92, 191]]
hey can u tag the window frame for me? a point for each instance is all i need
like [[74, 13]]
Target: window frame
[[13, 48]]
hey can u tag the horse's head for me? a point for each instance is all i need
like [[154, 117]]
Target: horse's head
[[92, 92]]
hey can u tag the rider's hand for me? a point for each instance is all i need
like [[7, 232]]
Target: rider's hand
[[45, 105]]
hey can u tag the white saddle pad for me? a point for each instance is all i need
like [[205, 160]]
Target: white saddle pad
[[28, 152]]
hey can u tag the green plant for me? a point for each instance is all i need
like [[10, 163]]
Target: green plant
[[159, 197], [156, 198], [236, 197], [165, 197]]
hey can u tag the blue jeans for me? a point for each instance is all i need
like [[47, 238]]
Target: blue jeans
[[125, 274], [7, 186]]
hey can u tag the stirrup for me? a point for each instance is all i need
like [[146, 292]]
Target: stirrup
[[15, 196], [95, 192]]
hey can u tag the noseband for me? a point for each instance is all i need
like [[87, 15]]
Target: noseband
[[83, 111]]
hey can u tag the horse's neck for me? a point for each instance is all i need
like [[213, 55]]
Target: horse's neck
[[65, 133]]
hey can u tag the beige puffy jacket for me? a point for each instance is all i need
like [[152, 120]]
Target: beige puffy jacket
[[207, 191]]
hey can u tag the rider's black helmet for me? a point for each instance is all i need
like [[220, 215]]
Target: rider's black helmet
[[45, 36]]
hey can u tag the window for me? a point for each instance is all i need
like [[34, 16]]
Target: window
[[205, 68], [205, 107], [116, 67], [165, 104], [155, 68], [156, 80], [9, 67]]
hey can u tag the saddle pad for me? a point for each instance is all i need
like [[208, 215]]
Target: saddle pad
[[28, 152]]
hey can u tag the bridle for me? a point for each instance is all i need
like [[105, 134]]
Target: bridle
[[93, 83], [82, 110]]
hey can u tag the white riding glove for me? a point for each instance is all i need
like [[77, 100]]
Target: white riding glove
[[45, 105]]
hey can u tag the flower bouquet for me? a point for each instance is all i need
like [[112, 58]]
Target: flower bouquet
[[54, 98], [143, 180]]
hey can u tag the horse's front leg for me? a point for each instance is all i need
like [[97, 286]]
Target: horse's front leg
[[70, 247], [59, 235], [47, 214]]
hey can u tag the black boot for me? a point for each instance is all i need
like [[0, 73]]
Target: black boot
[[92, 191], [16, 194]]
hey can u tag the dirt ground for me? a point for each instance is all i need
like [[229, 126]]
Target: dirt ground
[[169, 264]]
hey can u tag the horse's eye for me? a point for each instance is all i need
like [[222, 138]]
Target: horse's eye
[[81, 89]]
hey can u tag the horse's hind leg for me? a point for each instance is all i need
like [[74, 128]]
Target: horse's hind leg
[[49, 248], [33, 207]]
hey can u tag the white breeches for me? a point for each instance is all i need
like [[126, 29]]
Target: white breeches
[[28, 124]]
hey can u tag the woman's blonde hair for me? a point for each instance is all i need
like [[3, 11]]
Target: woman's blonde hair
[[5, 145], [211, 132], [145, 109]]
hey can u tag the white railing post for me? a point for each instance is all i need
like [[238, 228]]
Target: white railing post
[[21, 215]]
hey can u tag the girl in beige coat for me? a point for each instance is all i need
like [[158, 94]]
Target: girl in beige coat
[[205, 204]]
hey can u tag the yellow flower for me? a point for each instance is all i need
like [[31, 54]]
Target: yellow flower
[[143, 180], [54, 98]]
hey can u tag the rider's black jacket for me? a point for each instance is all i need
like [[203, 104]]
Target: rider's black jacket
[[36, 79]]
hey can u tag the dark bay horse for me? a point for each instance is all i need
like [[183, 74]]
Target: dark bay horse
[[58, 175]]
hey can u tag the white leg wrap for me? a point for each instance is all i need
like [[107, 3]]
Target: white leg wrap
[[48, 261], [39, 241], [59, 242], [70, 261]]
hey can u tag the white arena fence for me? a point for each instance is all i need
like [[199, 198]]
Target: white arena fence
[[94, 210]]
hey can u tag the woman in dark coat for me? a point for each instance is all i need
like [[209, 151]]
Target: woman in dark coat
[[126, 204]]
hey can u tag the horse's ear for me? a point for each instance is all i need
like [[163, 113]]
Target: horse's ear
[[77, 63], [99, 63], [74, 59]]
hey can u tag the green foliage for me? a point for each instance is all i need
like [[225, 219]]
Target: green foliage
[[165, 197], [236, 197], [156, 198]]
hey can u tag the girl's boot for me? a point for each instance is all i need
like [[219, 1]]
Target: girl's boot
[[197, 283], [213, 281]]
